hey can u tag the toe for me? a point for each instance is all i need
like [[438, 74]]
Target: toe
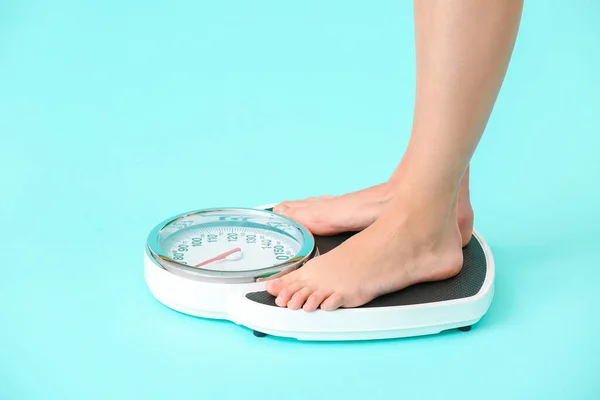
[[299, 298], [275, 286], [286, 294], [281, 208], [314, 301], [333, 302]]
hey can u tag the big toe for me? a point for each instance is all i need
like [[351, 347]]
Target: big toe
[[285, 206], [275, 287]]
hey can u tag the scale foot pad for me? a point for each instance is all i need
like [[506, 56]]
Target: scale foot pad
[[466, 284]]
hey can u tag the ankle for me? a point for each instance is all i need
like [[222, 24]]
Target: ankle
[[430, 207], [385, 191]]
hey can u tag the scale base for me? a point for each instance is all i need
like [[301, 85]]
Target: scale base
[[405, 333]]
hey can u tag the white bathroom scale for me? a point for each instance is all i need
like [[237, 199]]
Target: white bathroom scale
[[206, 263]]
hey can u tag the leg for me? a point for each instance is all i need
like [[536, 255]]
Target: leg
[[463, 50], [466, 217]]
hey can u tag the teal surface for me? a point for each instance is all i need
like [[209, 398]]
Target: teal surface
[[117, 114]]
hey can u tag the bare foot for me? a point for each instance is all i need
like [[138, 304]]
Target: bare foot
[[353, 212], [329, 215], [400, 249]]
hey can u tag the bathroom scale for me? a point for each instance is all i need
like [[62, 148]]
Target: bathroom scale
[[206, 263]]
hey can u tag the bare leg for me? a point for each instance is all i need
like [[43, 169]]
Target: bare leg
[[466, 217], [463, 51]]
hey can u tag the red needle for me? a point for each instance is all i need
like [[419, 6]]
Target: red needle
[[219, 257]]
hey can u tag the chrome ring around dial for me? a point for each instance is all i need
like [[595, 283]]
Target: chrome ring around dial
[[230, 245]]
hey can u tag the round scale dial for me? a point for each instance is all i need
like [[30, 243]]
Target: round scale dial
[[230, 244]]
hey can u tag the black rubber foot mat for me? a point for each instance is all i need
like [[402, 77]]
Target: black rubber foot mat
[[466, 284]]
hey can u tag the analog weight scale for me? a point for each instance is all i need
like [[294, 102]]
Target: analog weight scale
[[205, 263]]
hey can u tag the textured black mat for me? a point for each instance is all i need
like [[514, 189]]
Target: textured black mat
[[466, 284]]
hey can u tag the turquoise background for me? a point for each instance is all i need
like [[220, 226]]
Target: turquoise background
[[117, 114]]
